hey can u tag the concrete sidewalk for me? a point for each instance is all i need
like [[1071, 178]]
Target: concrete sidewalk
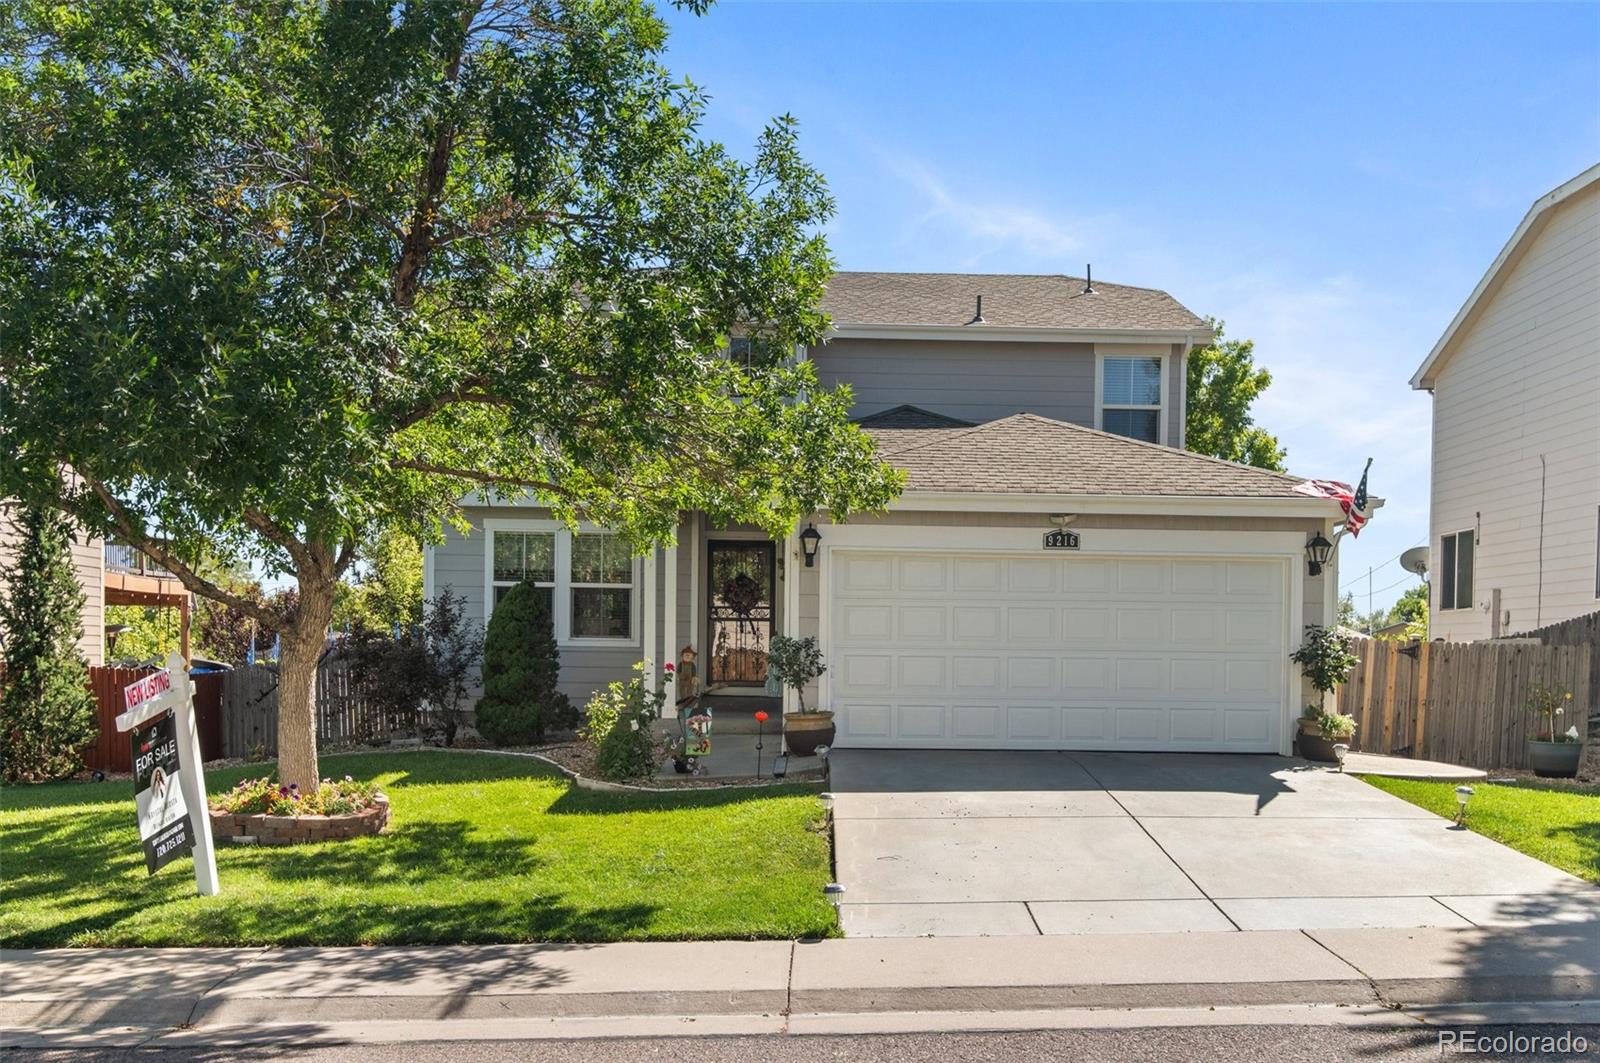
[[310, 995]]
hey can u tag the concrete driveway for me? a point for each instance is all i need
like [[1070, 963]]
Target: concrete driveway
[[994, 843]]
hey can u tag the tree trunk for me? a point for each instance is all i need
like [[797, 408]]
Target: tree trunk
[[297, 685]]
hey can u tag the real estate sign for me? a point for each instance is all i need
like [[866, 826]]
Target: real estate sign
[[164, 823], [168, 786]]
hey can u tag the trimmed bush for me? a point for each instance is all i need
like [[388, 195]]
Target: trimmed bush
[[521, 666]]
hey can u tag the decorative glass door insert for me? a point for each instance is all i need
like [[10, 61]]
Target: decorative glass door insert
[[740, 599]]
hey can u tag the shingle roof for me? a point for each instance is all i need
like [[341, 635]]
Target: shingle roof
[[1029, 454], [1009, 300]]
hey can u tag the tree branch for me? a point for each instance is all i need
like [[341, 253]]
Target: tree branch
[[477, 475], [137, 536], [275, 533], [448, 398], [418, 244]]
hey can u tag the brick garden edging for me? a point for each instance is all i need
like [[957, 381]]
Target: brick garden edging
[[288, 830]]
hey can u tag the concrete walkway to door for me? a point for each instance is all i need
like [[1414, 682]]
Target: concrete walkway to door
[[939, 843]]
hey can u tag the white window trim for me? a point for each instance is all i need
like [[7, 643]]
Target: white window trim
[[562, 588], [1162, 355]]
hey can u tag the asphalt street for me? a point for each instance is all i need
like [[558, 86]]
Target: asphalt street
[[1236, 1044]]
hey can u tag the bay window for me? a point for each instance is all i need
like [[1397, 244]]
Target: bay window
[[587, 578]]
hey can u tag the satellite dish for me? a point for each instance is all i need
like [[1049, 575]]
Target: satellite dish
[[1415, 560]]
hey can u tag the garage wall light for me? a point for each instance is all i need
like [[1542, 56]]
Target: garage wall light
[[1318, 550], [810, 539]]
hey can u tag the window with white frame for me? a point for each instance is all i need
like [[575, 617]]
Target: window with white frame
[[601, 587], [520, 556], [1130, 397], [1455, 570], [586, 578]]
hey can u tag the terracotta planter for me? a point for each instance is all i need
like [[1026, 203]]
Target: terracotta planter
[[1554, 760], [803, 732]]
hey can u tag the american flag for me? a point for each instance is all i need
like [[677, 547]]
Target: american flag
[[1354, 503]]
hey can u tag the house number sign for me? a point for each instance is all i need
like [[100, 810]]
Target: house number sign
[[1061, 539]]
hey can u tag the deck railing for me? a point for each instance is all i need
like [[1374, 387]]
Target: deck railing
[[132, 561]]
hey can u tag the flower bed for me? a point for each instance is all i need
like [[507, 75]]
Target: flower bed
[[274, 814]]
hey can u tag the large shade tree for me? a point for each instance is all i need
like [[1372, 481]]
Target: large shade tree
[[276, 276]]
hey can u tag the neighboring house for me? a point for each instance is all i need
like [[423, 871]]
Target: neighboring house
[[110, 574], [1514, 524], [1041, 584], [88, 564]]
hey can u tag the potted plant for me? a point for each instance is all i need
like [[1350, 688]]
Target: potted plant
[[797, 662], [1325, 660], [1552, 753]]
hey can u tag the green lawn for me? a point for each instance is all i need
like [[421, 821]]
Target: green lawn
[[480, 848], [1559, 825]]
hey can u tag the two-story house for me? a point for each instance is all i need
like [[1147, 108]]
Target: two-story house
[[1059, 573], [1514, 520]]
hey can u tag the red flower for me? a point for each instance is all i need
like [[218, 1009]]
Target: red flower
[[761, 717], [670, 667]]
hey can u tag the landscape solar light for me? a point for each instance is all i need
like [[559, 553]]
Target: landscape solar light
[[1463, 795], [834, 892], [827, 801], [1339, 751]]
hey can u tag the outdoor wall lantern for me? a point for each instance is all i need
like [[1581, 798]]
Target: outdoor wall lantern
[[1318, 550], [808, 544]]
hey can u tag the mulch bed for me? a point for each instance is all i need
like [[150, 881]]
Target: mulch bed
[[578, 756]]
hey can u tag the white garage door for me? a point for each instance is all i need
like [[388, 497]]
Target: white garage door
[[975, 651]]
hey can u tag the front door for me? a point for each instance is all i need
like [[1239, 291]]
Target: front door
[[740, 598]]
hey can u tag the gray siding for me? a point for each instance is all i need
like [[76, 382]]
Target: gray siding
[[458, 565], [974, 380]]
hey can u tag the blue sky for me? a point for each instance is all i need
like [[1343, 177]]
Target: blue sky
[[1329, 180]]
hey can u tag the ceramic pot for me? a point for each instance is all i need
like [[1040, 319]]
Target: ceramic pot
[[803, 732], [1554, 760]]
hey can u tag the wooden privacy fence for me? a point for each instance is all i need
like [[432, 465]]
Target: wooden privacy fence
[[1579, 631], [1459, 702], [111, 752], [344, 715]]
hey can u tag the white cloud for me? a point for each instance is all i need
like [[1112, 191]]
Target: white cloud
[[975, 228], [1340, 347]]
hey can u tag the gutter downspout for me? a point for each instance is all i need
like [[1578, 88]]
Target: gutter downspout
[[1183, 391]]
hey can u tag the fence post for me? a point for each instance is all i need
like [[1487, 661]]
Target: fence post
[[1424, 656]]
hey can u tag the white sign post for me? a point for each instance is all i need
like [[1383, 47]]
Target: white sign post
[[170, 690]]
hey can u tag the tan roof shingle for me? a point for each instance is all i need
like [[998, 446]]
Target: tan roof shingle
[[1029, 454], [1009, 300]]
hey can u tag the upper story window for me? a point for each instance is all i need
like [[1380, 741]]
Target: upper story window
[[753, 352], [1130, 397], [587, 578], [1455, 571]]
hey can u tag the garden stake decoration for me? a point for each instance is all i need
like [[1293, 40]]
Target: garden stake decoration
[[761, 723]]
